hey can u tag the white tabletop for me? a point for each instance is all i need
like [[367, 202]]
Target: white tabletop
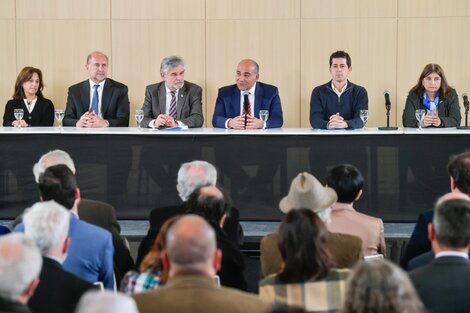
[[219, 131]]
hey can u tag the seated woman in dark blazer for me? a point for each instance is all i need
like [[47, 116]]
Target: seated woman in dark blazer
[[432, 94], [38, 111]]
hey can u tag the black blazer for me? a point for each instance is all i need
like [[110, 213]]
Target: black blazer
[[114, 103], [443, 284], [58, 291], [104, 215], [42, 115], [158, 216]]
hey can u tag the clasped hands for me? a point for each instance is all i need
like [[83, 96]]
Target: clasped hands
[[164, 120], [431, 119], [91, 120], [20, 123], [238, 122], [336, 121]]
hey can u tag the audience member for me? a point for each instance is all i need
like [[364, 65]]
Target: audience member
[[337, 103], [151, 274], [347, 181], [213, 204], [191, 175], [37, 110], [106, 302], [459, 172], [307, 192], [307, 278], [432, 94], [94, 212], [380, 286], [20, 264], [98, 101], [90, 255], [58, 291], [442, 284], [173, 101], [193, 259]]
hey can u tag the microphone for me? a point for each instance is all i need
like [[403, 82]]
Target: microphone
[[465, 100], [387, 100], [246, 103]]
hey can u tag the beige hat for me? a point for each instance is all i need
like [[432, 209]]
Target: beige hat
[[308, 193]]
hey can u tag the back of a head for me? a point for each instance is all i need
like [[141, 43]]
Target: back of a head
[[106, 302], [380, 286], [190, 244], [459, 169], [20, 264], [59, 184], [451, 223], [47, 223], [193, 175], [302, 243], [347, 181], [210, 202], [51, 158]]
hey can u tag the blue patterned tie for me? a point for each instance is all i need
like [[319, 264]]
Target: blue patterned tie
[[172, 110], [95, 100]]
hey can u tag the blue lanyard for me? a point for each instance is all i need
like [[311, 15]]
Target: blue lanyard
[[431, 105]]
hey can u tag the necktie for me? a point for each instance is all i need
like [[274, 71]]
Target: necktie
[[172, 111], [95, 100], [248, 107]]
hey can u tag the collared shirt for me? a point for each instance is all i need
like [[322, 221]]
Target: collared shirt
[[30, 107], [100, 93], [251, 97], [339, 92], [451, 253]]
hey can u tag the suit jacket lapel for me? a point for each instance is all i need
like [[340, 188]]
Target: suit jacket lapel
[[259, 93], [108, 90], [85, 96], [236, 101], [162, 98], [180, 101]]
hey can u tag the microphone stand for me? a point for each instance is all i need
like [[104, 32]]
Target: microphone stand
[[388, 121], [466, 120]]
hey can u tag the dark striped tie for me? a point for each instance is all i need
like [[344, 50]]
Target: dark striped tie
[[172, 111]]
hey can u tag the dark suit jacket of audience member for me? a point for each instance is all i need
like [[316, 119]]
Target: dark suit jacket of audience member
[[9, 306], [42, 114], [346, 251], [58, 291], [114, 103], [188, 105], [421, 260], [419, 242], [104, 215], [443, 284], [158, 216]]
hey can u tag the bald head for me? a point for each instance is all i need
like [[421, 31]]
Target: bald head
[[247, 74], [191, 244]]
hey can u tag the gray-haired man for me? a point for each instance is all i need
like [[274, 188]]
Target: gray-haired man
[[173, 101]]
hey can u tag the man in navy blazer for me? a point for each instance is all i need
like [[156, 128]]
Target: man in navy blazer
[[229, 108], [91, 250], [98, 101], [442, 284]]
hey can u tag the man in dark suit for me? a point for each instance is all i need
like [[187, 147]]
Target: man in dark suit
[[192, 259], [459, 172], [173, 101], [91, 211], [230, 110], [58, 291], [191, 176], [20, 264], [443, 284], [98, 101], [91, 249]]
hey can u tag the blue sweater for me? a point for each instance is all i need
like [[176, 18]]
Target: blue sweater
[[324, 103]]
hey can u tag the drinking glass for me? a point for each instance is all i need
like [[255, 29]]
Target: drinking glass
[[19, 113], [139, 116], [364, 115], [420, 117], [59, 116], [263, 115]]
